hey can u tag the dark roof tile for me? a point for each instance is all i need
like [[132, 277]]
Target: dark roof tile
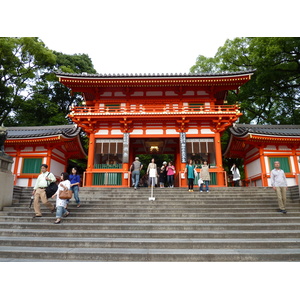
[[68, 131], [241, 130]]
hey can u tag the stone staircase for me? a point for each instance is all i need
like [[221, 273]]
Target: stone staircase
[[227, 224]]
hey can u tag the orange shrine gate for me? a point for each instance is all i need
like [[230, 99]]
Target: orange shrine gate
[[128, 115]]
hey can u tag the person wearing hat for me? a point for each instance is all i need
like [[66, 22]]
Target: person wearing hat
[[136, 168]]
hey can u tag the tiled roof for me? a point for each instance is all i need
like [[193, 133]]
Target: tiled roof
[[241, 130], [67, 131], [223, 74]]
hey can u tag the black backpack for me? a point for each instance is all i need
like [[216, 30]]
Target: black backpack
[[51, 189]]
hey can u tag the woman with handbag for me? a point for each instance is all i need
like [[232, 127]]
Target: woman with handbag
[[62, 194], [205, 176], [170, 174]]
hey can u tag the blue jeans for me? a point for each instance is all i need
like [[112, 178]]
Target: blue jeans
[[206, 182], [135, 178], [60, 211], [75, 190]]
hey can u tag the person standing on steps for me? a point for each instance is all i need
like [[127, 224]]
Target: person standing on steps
[[62, 203], [279, 184], [75, 182], [162, 175], [205, 176], [236, 175], [190, 171], [136, 168], [152, 173], [39, 191], [170, 174]]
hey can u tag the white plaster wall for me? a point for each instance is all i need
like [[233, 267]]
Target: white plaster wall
[[171, 131], [22, 182], [41, 149], [254, 168], [137, 131], [206, 131], [251, 152], [59, 153], [192, 131], [154, 131], [56, 168], [103, 131], [291, 181], [284, 148], [116, 131], [270, 147]]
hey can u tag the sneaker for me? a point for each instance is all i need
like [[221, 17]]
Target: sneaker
[[135, 187], [283, 211], [201, 191], [207, 191]]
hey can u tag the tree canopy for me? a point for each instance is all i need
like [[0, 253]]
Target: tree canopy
[[272, 95], [30, 93]]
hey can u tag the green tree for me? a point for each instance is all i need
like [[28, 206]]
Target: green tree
[[23, 61], [272, 95], [49, 101]]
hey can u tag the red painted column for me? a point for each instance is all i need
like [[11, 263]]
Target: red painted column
[[90, 162], [219, 162], [263, 166], [294, 153]]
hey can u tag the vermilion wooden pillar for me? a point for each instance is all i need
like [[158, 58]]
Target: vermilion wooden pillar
[[91, 157], [263, 166], [219, 164]]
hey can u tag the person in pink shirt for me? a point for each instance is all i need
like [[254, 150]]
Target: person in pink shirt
[[170, 174]]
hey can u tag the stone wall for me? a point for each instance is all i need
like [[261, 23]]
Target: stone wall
[[6, 181]]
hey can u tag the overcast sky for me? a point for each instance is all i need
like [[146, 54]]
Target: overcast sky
[[146, 36]]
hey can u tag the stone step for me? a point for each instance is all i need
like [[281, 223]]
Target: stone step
[[150, 243], [61, 231], [94, 218], [227, 224], [151, 226], [271, 214], [176, 255]]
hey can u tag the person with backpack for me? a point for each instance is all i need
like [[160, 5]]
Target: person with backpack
[[39, 191]]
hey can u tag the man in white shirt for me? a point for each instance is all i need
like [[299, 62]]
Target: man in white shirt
[[279, 184], [39, 191]]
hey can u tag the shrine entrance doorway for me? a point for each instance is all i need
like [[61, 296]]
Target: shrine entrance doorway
[[161, 149]]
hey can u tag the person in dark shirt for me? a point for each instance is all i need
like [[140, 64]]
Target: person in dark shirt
[[75, 182]]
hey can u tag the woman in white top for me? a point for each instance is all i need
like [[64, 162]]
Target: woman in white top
[[62, 203], [152, 172], [236, 175]]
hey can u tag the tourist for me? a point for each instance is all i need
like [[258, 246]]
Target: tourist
[[152, 173], [75, 182], [236, 175], [190, 171], [279, 184], [62, 203], [39, 191], [170, 174], [136, 168], [205, 176], [162, 175]]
